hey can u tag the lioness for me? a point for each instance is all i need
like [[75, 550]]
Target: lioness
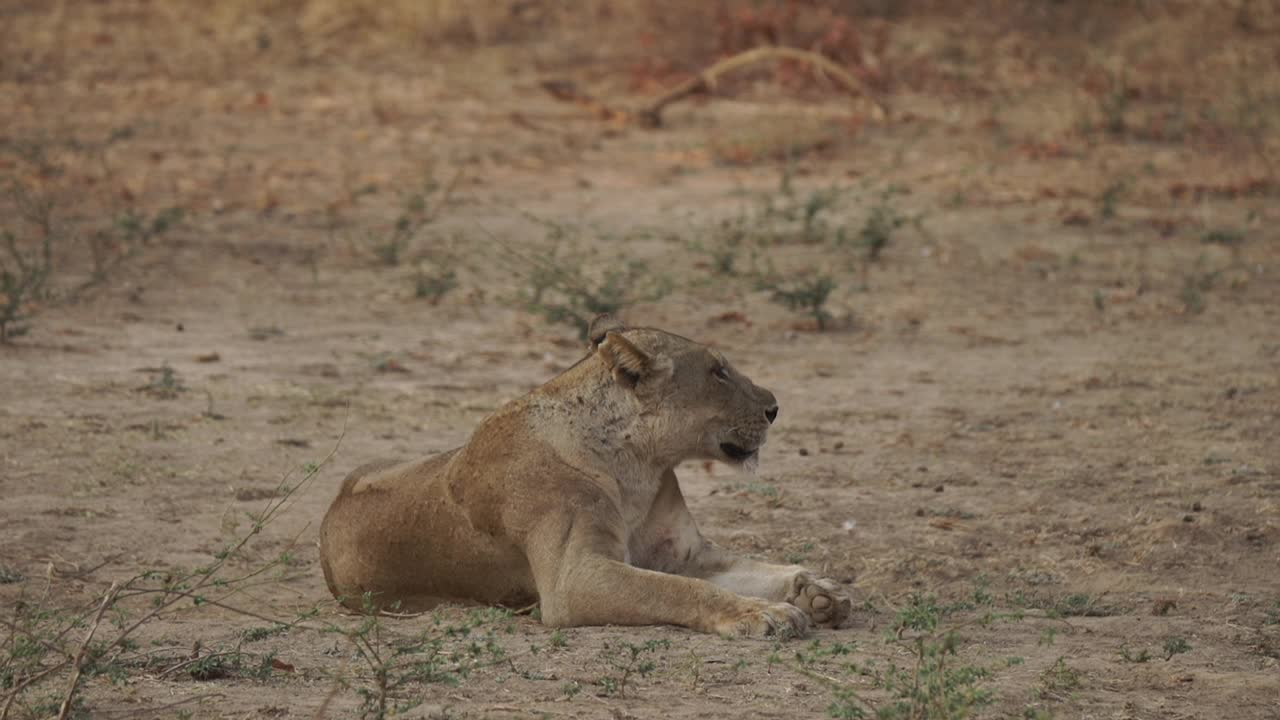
[[568, 495]]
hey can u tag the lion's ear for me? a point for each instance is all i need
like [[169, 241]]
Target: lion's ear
[[603, 325], [630, 364]]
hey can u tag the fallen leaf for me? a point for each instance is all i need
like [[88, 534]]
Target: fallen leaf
[[733, 316], [1076, 217], [391, 365]]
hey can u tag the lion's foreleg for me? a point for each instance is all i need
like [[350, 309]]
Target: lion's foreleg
[[582, 579], [825, 601]]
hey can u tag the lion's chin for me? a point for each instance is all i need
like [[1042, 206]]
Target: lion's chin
[[737, 453], [738, 456]]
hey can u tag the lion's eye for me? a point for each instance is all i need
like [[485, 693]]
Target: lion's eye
[[721, 372]]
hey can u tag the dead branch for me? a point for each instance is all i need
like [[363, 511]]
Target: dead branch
[[705, 81], [78, 665], [28, 681], [167, 706], [566, 91], [650, 115], [324, 704]]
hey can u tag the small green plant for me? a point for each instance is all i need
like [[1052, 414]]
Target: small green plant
[[1059, 679], [813, 228], [130, 230], [934, 683], [1114, 103], [265, 332], [1175, 646], [1080, 605], [807, 295], [230, 664], [418, 209], [1110, 199], [389, 249], [796, 218], [1223, 236], [165, 384], [27, 261], [1193, 293], [1048, 637], [564, 292], [695, 669], [262, 633], [1273, 614], [1128, 655], [877, 232], [9, 575], [754, 487], [433, 286], [800, 555], [629, 659], [145, 229], [55, 649], [32, 233], [22, 281], [558, 639], [1267, 644], [443, 652], [608, 685], [725, 246]]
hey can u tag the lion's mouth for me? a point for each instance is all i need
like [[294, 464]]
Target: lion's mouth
[[737, 453]]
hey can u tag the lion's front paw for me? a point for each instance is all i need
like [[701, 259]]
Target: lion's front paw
[[822, 599], [766, 618]]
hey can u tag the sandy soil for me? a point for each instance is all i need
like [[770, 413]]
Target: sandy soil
[[1070, 403]]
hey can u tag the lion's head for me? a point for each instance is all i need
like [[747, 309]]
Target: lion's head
[[696, 403]]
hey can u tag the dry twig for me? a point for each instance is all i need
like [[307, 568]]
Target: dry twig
[[78, 665], [167, 706], [705, 81], [650, 115]]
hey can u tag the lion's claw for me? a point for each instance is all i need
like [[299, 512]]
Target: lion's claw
[[777, 619]]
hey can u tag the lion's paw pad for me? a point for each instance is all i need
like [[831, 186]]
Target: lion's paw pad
[[824, 600]]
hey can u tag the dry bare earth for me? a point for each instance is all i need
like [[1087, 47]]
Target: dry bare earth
[[1012, 397]]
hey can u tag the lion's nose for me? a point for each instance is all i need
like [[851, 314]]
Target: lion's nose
[[771, 414]]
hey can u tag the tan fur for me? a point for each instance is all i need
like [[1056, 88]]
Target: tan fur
[[568, 496]]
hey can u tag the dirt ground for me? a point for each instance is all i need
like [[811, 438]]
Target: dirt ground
[[1059, 389]]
